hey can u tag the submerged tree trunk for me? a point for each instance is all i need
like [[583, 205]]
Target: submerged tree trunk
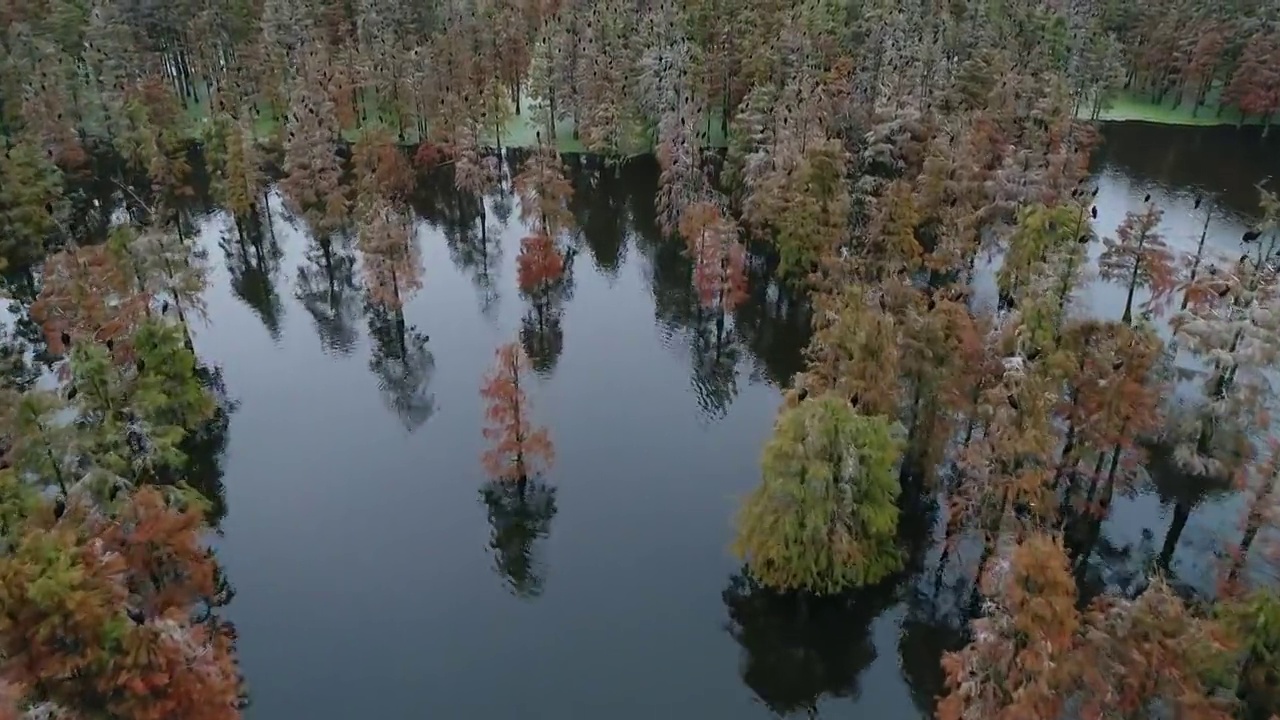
[[1195, 261], [1181, 513]]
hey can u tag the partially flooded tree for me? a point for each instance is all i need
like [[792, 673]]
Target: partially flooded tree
[[312, 184], [719, 258], [1234, 324], [1024, 660], [1153, 654], [855, 350], [87, 295], [135, 416], [544, 192], [239, 181], [824, 517], [391, 262], [1139, 258], [519, 450], [541, 274]]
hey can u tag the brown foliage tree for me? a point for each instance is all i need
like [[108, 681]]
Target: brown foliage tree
[[540, 265], [87, 295], [544, 192], [390, 260]]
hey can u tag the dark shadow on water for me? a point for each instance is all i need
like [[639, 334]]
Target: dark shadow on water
[[403, 366], [599, 208], [796, 649], [520, 515], [326, 288], [716, 352], [542, 335], [206, 447], [253, 261]]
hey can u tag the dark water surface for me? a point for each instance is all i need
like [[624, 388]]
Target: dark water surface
[[359, 540]]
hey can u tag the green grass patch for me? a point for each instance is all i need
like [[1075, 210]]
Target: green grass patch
[[1133, 107], [520, 131]]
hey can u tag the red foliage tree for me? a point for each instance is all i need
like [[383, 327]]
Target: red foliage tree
[[1139, 257], [1115, 399], [381, 169], [519, 449]]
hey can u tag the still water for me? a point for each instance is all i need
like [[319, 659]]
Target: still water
[[357, 531]]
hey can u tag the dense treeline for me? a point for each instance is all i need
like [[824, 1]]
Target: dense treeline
[[870, 153]]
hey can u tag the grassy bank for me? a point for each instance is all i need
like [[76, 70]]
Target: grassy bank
[[1132, 107], [520, 131]]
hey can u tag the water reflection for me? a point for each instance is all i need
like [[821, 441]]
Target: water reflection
[[591, 629], [1225, 162], [922, 641], [1181, 491], [402, 364], [599, 207], [473, 247], [326, 287], [715, 363], [520, 514], [205, 448], [797, 649], [253, 262], [774, 325]]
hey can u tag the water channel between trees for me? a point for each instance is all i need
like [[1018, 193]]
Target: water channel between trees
[[380, 575]]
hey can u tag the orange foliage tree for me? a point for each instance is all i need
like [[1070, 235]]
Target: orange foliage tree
[[114, 613], [720, 260], [1021, 663], [519, 449], [540, 265]]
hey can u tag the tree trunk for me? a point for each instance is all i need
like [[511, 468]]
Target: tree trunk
[[1127, 318], [1181, 513], [1195, 263], [1242, 552]]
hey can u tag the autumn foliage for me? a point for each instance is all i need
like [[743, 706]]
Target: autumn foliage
[[116, 611], [540, 264], [719, 271], [87, 295], [857, 170], [518, 449]]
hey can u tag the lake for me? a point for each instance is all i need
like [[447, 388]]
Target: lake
[[359, 540]]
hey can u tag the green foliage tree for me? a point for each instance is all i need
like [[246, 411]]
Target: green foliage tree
[[134, 417], [824, 517], [30, 194]]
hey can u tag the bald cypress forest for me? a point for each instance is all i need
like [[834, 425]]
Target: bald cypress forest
[[443, 358]]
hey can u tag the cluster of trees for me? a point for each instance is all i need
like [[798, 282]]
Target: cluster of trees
[[872, 152], [111, 598], [1185, 53]]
